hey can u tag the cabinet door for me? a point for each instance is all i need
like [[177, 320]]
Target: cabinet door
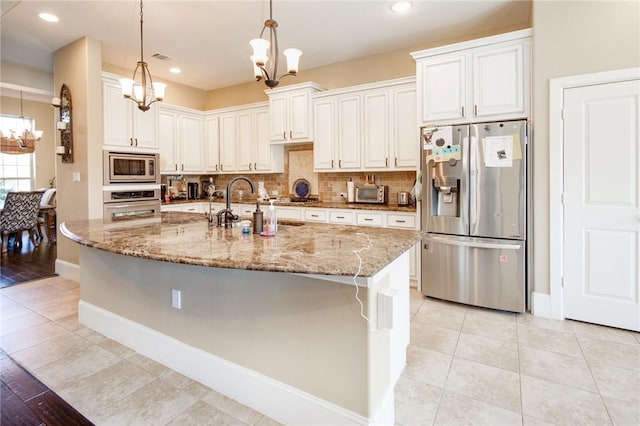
[[443, 85], [191, 143], [212, 147], [278, 109], [245, 141], [145, 125], [299, 126], [349, 132], [228, 142], [376, 130], [498, 81], [324, 123], [405, 129], [167, 131], [262, 144], [118, 126]]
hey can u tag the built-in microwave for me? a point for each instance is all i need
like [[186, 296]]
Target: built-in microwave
[[372, 194], [127, 167]]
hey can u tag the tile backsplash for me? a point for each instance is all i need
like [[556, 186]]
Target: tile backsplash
[[298, 164]]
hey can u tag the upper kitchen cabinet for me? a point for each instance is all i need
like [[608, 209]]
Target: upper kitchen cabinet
[[243, 140], [181, 137], [212, 146], [478, 80], [367, 127], [291, 113], [126, 128]]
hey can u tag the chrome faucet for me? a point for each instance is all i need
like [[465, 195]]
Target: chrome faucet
[[227, 215]]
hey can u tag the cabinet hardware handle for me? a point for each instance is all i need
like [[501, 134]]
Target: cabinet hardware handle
[[136, 141], [221, 167], [216, 167], [339, 164], [475, 110], [400, 221], [368, 219], [290, 134], [284, 135], [255, 166], [249, 166], [314, 215], [463, 111], [339, 217], [175, 166], [182, 168], [130, 141], [386, 162], [396, 162], [332, 164]]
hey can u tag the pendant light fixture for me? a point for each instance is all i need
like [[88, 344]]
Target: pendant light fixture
[[20, 143], [143, 92], [266, 51]]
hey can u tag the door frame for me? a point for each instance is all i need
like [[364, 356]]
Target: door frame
[[557, 86]]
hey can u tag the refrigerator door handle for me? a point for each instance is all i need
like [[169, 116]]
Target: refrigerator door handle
[[475, 244]]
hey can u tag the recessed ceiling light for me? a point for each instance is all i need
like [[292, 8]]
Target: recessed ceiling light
[[49, 17], [400, 6], [175, 70]]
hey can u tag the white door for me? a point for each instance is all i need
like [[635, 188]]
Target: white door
[[601, 206]]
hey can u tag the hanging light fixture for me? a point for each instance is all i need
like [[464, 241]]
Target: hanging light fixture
[[20, 143], [138, 91], [267, 51]]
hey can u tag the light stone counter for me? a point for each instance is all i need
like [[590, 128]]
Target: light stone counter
[[272, 322], [302, 247]]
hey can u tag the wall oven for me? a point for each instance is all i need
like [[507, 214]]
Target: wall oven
[[121, 167], [127, 201]]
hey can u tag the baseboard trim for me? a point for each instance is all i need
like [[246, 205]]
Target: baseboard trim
[[68, 270], [541, 305], [275, 399]]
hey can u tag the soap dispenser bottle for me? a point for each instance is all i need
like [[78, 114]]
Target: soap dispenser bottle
[[257, 219], [272, 220]]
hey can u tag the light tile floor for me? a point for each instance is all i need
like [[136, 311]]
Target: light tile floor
[[465, 365]]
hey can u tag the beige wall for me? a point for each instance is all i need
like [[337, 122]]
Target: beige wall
[[44, 116], [386, 66], [23, 76], [78, 65], [571, 38]]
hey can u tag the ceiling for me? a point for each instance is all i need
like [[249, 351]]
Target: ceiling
[[209, 39]]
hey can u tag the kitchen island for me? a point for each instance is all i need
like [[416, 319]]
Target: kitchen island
[[272, 322]]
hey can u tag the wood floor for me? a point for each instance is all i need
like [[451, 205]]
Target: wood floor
[[26, 401], [27, 263]]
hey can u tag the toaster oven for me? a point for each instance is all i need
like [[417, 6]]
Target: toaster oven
[[372, 194]]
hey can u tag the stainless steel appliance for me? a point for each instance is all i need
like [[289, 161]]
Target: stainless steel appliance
[[192, 191], [474, 212], [404, 198], [126, 201], [372, 194], [130, 167]]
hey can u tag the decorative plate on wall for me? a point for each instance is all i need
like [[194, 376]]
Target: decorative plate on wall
[[302, 188]]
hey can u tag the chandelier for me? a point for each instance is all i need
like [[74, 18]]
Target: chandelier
[[267, 51], [20, 143], [139, 91]]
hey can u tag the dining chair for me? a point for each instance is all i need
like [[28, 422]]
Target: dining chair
[[47, 201], [20, 213]]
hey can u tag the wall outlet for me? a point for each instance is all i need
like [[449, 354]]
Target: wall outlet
[[75, 177], [176, 298], [343, 194]]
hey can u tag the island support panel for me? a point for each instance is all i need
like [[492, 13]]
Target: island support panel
[[293, 347]]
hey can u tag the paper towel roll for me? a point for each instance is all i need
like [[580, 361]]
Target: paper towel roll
[[351, 191]]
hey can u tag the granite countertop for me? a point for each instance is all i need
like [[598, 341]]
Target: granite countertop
[[299, 247], [313, 204]]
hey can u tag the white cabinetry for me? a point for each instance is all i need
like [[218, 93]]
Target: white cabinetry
[[126, 127], [291, 113], [212, 145], [367, 127], [243, 141], [181, 140], [484, 79]]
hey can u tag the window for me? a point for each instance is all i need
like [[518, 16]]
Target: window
[[16, 170]]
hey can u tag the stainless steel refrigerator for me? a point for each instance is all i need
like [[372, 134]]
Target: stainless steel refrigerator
[[474, 194]]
